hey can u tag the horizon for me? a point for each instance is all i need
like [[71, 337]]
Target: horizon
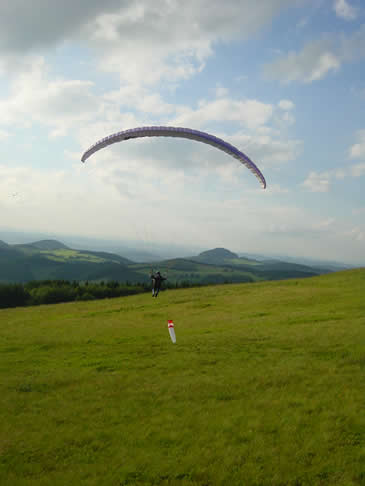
[[125, 248]]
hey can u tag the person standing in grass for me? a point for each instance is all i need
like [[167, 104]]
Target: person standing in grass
[[157, 280]]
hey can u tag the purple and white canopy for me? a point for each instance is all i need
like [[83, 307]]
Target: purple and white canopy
[[179, 132]]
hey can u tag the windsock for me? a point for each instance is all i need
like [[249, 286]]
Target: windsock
[[171, 331]]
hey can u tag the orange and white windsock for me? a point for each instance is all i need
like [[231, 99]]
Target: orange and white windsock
[[171, 331]]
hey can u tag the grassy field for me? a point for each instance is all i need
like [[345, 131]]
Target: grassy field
[[265, 386]]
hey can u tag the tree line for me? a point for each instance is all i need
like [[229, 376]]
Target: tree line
[[56, 291]]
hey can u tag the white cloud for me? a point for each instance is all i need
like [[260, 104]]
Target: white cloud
[[71, 107], [318, 58], [358, 149], [296, 223], [321, 181], [26, 26], [144, 42], [302, 23], [147, 208], [288, 118], [357, 233], [58, 103], [344, 10], [266, 149], [352, 47], [140, 99], [241, 78], [317, 182], [221, 91], [311, 64], [54, 201], [4, 134], [286, 105], [358, 211], [276, 189], [324, 225], [260, 141], [248, 113], [358, 170], [253, 124]]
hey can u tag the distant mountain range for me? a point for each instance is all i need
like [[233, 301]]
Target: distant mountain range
[[53, 260], [312, 262]]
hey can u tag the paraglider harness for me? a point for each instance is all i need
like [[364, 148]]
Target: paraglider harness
[[157, 280]]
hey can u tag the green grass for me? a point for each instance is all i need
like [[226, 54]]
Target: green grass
[[265, 386]]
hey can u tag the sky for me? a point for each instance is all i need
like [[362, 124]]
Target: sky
[[282, 80]]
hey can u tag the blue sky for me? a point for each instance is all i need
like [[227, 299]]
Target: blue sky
[[282, 80]]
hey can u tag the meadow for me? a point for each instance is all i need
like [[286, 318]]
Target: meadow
[[265, 386]]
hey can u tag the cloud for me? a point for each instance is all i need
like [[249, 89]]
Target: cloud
[[58, 103], [143, 42], [358, 170], [321, 181], [344, 10], [267, 150], [164, 203], [221, 91], [358, 149], [72, 107], [286, 105], [252, 129], [352, 47], [250, 113], [318, 58], [311, 64], [140, 99], [167, 207], [317, 182], [154, 41], [302, 23], [4, 134], [358, 211], [357, 233], [29, 26]]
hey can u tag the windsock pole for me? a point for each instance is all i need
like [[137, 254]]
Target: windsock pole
[[170, 325]]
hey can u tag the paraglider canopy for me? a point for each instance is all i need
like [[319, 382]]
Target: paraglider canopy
[[180, 132]]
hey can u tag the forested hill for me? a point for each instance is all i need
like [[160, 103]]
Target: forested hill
[[53, 260], [3, 244], [48, 245]]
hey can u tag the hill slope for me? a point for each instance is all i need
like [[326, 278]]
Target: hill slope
[[51, 259], [49, 245], [217, 255], [3, 245], [264, 386]]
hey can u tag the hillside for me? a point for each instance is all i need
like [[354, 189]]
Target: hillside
[[224, 266], [49, 245], [51, 259], [3, 245], [265, 386], [218, 255]]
